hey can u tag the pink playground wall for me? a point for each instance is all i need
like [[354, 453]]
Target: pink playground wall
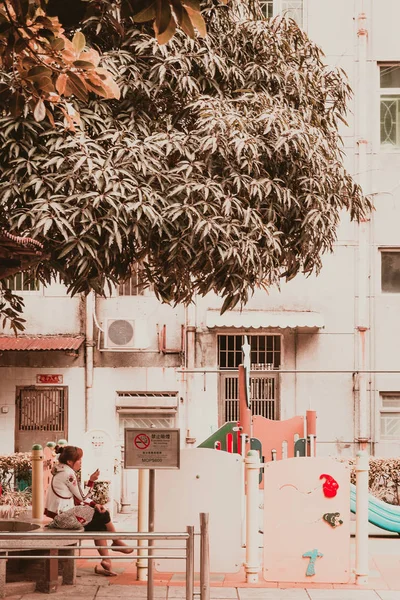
[[294, 523]]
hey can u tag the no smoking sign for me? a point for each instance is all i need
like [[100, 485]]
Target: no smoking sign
[[152, 448], [142, 441]]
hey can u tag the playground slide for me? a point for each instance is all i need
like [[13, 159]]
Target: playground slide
[[383, 515]]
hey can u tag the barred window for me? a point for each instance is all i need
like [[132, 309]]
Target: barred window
[[265, 351], [22, 282]]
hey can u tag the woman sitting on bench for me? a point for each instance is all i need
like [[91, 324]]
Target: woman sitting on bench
[[65, 492]]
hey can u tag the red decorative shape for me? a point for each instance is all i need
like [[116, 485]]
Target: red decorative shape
[[330, 486]]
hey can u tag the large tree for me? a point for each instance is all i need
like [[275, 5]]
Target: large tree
[[219, 168]]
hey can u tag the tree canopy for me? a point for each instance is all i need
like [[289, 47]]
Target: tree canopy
[[220, 166], [45, 66]]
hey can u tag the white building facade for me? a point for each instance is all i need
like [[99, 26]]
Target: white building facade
[[330, 343]]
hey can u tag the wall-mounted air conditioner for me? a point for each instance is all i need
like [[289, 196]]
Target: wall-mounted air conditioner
[[119, 333]]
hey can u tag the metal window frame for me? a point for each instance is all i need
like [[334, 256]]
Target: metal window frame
[[278, 8], [388, 410], [388, 249], [395, 91], [14, 288]]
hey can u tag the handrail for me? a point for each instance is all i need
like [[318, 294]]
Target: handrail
[[93, 535], [49, 536]]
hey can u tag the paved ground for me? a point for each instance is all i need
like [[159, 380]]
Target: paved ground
[[88, 589], [383, 584]]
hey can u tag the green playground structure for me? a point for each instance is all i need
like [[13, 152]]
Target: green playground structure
[[383, 515]]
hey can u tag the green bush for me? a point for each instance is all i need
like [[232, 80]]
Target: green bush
[[15, 469], [384, 478]]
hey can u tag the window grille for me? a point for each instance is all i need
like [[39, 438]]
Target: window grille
[[264, 396], [390, 105], [290, 8], [390, 416], [22, 282], [265, 351], [390, 271], [41, 416]]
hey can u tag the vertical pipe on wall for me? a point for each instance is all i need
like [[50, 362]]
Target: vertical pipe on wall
[[89, 361], [362, 467], [190, 359], [362, 324]]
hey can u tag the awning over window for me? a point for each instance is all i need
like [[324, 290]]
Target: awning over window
[[257, 319], [139, 402], [41, 342]]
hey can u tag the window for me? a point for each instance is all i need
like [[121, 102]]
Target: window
[[134, 286], [390, 271], [265, 351], [390, 105], [290, 8], [390, 416], [22, 282]]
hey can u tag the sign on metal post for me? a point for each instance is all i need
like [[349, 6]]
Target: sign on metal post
[[152, 448]]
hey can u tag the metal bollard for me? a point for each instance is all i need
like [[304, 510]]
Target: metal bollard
[[362, 468], [143, 522], [37, 482], [252, 566], [204, 557], [190, 563]]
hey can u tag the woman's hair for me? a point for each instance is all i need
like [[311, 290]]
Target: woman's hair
[[66, 453]]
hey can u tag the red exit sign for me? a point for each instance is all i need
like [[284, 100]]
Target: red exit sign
[[53, 379]]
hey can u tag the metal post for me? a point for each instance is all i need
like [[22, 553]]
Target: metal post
[[252, 567], [37, 482], [312, 445], [190, 563], [150, 578], [124, 503], [143, 522], [362, 467], [204, 557]]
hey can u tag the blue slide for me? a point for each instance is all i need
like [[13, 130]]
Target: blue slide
[[383, 515]]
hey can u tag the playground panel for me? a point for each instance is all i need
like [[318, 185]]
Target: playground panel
[[307, 521], [211, 482]]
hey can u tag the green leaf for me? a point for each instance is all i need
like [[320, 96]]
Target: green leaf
[[78, 42], [163, 16], [148, 13], [186, 24], [40, 111], [83, 64]]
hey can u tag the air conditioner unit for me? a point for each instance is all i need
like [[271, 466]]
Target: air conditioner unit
[[119, 333]]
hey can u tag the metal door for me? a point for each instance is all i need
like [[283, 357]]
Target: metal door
[[41, 416], [264, 395]]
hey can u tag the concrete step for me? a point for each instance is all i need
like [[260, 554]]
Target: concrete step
[[18, 588]]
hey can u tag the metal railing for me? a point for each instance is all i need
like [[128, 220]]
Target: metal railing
[[71, 538]]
